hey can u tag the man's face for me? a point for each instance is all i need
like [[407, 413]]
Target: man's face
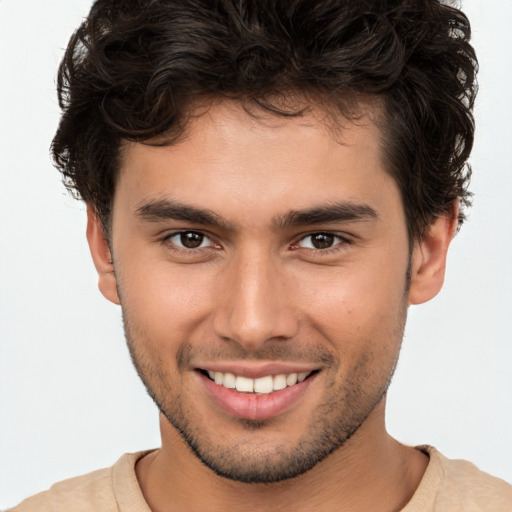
[[265, 253]]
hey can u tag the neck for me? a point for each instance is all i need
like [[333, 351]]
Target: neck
[[371, 471]]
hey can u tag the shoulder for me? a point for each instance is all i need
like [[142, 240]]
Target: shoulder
[[458, 485], [466, 484], [93, 492]]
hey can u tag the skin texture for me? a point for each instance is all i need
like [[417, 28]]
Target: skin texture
[[255, 293]]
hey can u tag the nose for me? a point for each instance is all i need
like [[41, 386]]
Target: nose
[[254, 302]]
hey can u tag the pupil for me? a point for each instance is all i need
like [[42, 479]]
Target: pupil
[[191, 240], [322, 240]]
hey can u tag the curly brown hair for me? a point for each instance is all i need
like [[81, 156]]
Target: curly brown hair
[[134, 67]]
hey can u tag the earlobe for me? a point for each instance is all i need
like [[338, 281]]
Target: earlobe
[[102, 257], [428, 262]]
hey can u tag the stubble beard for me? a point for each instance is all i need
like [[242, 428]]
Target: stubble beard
[[344, 409]]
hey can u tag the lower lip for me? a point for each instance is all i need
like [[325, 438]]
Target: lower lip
[[252, 406]]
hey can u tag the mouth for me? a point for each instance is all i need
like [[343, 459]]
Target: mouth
[[259, 397]]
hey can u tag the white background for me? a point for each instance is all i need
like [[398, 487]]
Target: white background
[[70, 400]]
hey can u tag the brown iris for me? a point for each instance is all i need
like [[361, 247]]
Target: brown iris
[[322, 240], [191, 239]]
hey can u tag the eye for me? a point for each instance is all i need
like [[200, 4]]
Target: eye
[[190, 240], [320, 241]]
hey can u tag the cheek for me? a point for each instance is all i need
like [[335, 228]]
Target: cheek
[[164, 302], [357, 309]]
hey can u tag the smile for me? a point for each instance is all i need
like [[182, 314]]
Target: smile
[[262, 385], [259, 398]]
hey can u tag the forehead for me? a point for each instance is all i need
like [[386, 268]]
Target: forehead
[[231, 160]]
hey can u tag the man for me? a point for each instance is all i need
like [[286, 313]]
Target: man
[[269, 186]]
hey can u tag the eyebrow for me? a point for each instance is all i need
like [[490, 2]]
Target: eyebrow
[[158, 210], [164, 209], [337, 212]]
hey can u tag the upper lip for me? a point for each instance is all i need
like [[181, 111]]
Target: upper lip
[[254, 370]]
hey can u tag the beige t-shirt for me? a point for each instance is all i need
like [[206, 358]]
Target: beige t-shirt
[[447, 486]]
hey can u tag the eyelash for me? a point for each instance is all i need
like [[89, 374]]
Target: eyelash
[[341, 242]]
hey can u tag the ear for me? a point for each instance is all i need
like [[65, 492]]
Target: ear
[[102, 257], [428, 263]]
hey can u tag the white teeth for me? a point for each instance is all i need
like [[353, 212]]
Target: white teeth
[[291, 379], [279, 382], [262, 385], [229, 381], [244, 384], [301, 376]]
